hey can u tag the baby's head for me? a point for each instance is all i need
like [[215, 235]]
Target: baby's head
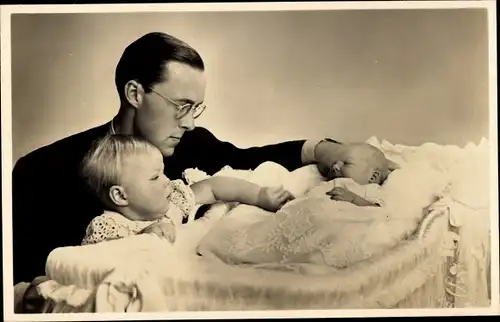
[[126, 174], [369, 165]]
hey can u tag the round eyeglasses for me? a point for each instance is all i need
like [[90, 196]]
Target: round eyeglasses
[[183, 109]]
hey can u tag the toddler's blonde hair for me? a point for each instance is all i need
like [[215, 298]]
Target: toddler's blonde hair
[[101, 167]]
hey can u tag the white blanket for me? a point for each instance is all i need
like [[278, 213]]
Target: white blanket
[[314, 229], [77, 272]]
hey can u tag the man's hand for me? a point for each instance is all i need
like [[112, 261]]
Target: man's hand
[[164, 228], [272, 199]]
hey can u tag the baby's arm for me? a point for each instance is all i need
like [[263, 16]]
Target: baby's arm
[[346, 189], [229, 189], [343, 194], [364, 202]]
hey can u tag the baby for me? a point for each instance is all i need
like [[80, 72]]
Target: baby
[[126, 174], [312, 228], [359, 181]]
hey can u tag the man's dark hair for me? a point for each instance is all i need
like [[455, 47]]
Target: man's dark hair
[[145, 60]]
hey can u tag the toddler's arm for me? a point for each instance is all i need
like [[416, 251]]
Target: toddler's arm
[[228, 189]]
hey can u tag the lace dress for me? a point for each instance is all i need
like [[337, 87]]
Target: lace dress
[[309, 229], [112, 225]]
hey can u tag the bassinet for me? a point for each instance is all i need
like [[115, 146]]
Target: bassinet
[[422, 271], [411, 275]]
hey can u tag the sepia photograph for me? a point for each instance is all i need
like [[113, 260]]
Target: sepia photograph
[[249, 160]]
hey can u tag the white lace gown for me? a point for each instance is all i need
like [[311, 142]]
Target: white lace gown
[[310, 229], [112, 225]]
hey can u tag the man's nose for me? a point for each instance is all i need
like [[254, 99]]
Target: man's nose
[[187, 122]]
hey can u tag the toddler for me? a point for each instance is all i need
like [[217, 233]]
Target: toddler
[[126, 174]]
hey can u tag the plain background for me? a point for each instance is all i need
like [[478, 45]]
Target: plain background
[[407, 76]]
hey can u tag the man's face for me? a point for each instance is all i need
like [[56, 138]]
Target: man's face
[[156, 117]]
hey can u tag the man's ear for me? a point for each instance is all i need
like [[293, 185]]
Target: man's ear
[[134, 93], [118, 196]]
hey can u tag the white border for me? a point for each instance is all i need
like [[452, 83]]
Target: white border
[[6, 11], [493, 140], [251, 6]]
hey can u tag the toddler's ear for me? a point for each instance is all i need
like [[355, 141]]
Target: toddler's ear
[[118, 196]]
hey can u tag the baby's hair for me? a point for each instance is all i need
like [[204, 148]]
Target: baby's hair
[[101, 167]]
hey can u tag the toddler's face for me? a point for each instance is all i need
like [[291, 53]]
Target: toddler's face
[[146, 187]]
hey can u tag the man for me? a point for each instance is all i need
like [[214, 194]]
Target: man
[[161, 84]]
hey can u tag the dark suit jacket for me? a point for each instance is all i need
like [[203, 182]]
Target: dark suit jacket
[[52, 207]]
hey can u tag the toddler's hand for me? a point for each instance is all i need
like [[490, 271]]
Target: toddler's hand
[[341, 194], [164, 228], [272, 198]]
